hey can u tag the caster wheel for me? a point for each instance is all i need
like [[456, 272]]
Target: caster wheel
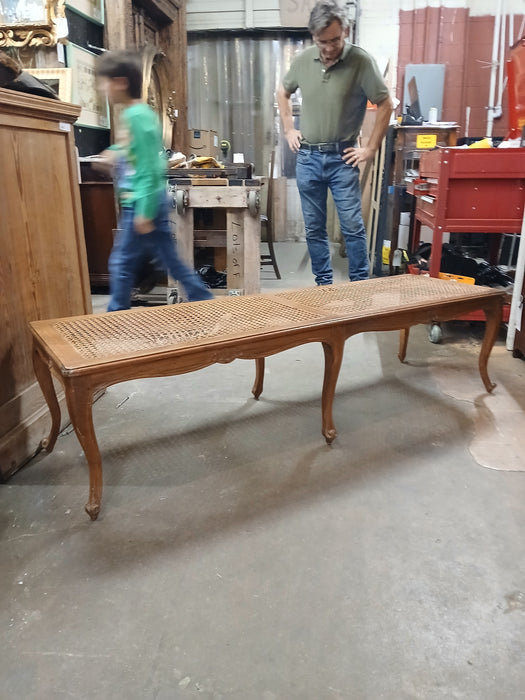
[[435, 334], [173, 296], [254, 202], [181, 201]]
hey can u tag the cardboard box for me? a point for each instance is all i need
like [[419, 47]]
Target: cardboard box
[[204, 142]]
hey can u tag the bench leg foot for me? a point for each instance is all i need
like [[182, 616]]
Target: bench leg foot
[[259, 377], [329, 435], [80, 407], [492, 325], [43, 375], [333, 356], [92, 509]]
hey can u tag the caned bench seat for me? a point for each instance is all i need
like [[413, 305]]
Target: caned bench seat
[[89, 353]]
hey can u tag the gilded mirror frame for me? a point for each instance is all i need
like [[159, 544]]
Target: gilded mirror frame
[[156, 90], [41, 32]]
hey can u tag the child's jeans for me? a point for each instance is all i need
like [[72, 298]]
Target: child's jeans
[[130, 248]]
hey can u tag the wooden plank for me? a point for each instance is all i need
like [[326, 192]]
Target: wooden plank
[[235, 197], [119, 24], [235, 251], [209, 181], [177, 53], [252, 253]]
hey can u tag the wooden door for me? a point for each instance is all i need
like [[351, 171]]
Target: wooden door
[[157, 28]]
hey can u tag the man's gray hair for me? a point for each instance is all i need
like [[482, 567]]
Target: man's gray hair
[[324, 13]]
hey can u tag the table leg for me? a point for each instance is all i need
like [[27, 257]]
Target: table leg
[[333, 356], [80, 407], [259, 377], [403, 343], [493, 315], [437, 248], [45, 379]]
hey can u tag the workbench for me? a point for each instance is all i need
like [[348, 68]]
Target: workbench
[[90, 353], [241, 236]]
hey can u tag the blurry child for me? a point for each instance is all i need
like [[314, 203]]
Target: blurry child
[[139, 170]]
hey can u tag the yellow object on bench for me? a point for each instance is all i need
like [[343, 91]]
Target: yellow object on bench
[[89, 353]]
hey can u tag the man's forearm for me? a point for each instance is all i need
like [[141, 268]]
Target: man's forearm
[[285, 109], [384, 110]]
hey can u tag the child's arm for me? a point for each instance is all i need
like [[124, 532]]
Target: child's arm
[[104, 162], [143, 225]]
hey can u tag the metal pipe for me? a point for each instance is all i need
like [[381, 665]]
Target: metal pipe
[[493, 69], [517, 291], [498, 110]]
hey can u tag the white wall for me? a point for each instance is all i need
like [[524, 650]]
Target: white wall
[[476, 7], [378, 26], [379, 33], [379, 23], [233, 14], [379, 17]]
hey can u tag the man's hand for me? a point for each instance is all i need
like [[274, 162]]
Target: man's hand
[[356, 156], [143, 225], [294, 138]]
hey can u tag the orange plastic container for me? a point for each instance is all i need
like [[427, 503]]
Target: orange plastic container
[[458, 278]]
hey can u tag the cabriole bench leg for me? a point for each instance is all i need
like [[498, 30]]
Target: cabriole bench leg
[[403, 343], [45, 379], [259, 377], [493, 317], [80, 406], [333, 356]]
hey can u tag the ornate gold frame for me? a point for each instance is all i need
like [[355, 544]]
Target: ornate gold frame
[[35, 33], [60, 75], [156, 90]]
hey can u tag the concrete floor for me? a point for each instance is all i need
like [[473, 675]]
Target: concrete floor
[[237, 556]]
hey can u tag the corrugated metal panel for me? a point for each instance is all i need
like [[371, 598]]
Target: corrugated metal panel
[[232, 82]]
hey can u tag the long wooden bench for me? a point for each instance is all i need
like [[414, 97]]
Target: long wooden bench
[[89, 353]]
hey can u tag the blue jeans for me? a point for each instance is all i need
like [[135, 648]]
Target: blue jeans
[[316, 172], [130, 248]]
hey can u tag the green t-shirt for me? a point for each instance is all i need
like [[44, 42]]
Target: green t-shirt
[[140, 168], [334, 99]]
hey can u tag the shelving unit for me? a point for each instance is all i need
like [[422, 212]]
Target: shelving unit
[[401, 152]]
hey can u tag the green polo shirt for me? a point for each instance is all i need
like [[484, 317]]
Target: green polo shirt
[[140, 168], [334, 99]]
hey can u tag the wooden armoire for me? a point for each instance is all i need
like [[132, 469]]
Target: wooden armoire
[[43, 268]]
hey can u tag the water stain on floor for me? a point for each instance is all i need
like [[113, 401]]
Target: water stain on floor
[[498, 418]]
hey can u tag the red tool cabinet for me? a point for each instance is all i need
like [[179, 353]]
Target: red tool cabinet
[[469, 190], [462, 190]]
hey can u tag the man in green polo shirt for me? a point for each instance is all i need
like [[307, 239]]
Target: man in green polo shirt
[[336, 79]]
